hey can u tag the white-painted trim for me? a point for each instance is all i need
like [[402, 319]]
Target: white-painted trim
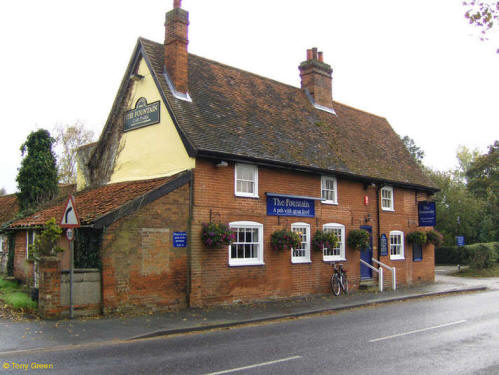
[[243, 194], [335, 184], [401, 256], [306, 258], [342, 256], [392, 201], [258, 261]]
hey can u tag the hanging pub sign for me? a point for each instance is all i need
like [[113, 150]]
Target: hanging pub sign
[[427, 214], [287, 205], [143, 115], [383, 245]]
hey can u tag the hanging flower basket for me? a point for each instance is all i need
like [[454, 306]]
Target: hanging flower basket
[[434, 238], [324, 240], [217, 235], [417, 237], [284, 240], [358, 239]]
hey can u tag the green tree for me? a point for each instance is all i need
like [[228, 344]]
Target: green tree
[[416, 152], [483, 183], [37, 177], [459, 213], [465, 157], [68, 139]]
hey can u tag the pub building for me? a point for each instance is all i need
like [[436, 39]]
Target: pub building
[[190, 141]]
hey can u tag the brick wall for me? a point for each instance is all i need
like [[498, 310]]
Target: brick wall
[[23, 270], [49, 296], [214, 281], [141, 270]]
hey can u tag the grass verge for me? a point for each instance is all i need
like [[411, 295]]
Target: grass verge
[[486, 272], [13, 296]]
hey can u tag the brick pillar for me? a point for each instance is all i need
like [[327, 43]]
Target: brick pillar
[[49, 294]]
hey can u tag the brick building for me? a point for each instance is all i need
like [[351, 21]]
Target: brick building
[[224, 145]]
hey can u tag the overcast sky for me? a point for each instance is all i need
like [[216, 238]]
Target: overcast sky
[[417, 63]]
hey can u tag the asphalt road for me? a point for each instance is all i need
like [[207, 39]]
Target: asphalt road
[[448, 335]]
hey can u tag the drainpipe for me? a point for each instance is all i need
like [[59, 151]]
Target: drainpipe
[[189, 239], [378, 225]]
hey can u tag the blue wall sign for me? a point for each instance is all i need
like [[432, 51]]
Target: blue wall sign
[[383, 245], [460, 240], [179, 239], [427, 214], [288, 206]]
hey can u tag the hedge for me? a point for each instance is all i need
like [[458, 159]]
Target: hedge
[[479, 255]]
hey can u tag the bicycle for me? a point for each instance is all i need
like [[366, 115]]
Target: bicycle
[[339, 280]]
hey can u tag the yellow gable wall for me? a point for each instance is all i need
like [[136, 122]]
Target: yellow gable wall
[[154, 150]]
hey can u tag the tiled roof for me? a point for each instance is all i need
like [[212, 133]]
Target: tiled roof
[[8, 208], [247, 116], [94, 203]]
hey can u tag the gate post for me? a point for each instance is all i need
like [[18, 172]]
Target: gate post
[[49, 294]]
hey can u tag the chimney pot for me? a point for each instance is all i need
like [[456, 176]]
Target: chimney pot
[[321, 57], [309, 54], [314, 52], [177, 4]]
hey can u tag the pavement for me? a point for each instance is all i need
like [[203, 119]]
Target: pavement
[[43, 334]]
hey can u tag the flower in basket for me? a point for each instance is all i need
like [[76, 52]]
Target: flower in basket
[[358, 239], [434, 237], [216, 235], [324, 240], [417, 237], [284, 240]]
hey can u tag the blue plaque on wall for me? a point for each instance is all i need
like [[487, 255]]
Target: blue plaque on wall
[[179, 239], [383, 245], [290, 206], [427, 214]]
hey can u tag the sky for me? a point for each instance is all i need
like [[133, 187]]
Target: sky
[[416, 63]]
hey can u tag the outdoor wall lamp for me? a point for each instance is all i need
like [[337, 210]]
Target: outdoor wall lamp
[[222, 164]]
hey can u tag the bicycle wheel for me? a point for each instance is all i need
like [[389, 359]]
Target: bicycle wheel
[[335, 285], [344, 283]]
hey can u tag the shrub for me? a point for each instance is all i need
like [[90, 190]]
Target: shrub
[[284, 240], [323, 240], [417, 237], [216, 235], [46, 243], [481, 256], [358, 239], [451, 255], [434, 238]]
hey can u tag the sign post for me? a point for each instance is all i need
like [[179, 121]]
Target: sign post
[[70, 221]]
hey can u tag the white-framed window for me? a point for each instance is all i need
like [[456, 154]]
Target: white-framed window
[[3, 243], [338, 252], [329, 190], [247, 249], [387, 198], [246, 180], [30, 240], [302, 253], [396, 244]]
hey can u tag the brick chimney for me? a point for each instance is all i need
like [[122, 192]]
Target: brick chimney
[[316, 77], [176, 59]]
